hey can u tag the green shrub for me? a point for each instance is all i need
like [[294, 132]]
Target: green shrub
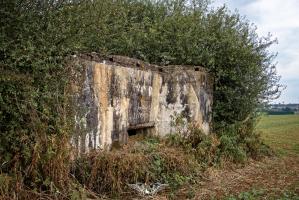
[[240, 141], [235, 143]]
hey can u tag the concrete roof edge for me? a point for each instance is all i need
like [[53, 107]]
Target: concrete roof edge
[[135, 63]]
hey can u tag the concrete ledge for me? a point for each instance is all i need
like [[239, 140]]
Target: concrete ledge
[[144, 125]]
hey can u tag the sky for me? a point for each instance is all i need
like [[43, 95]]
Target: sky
[[281, 19]]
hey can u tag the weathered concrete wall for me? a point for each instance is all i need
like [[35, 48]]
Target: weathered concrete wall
[[117, 94]]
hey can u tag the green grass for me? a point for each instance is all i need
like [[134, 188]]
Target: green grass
[[261, 194], [281, 133]]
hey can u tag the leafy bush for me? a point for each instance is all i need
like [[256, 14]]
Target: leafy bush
[[235, 143]]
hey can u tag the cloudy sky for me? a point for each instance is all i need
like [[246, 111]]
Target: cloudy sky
[[281, 19]]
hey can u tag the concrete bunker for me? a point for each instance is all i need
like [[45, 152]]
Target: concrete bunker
[[117, 97]]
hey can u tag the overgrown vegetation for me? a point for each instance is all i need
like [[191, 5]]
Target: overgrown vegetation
[[235, 143], [38, 35], [149, 161]]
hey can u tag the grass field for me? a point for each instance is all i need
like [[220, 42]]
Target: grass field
[[281, 133]]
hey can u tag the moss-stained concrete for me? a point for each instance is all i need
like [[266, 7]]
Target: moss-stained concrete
[[116, 94]]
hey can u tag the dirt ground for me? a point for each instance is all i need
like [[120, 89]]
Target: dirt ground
[[269, 177]]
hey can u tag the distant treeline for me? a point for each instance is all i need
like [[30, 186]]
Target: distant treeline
[[282, 109], [280, 112]]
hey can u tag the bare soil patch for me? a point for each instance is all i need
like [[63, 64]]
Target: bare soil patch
[[272, 175]]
